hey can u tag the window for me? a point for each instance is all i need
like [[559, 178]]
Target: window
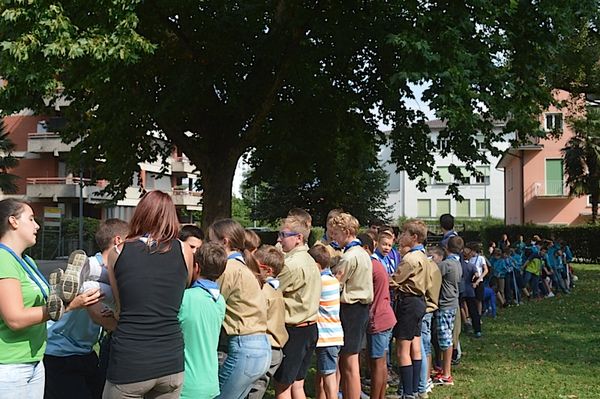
[[442, 206], [445, 177], [442, 144], [482, 208], [554, 177], [423, 208], [485, 175], [463, 209], [554, 121]]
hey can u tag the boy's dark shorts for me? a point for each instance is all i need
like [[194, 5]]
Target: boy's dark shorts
[[479, 291], [355, 318], [409, 314], [297, 353]]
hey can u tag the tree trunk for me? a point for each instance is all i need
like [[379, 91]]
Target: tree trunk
[[217, 171]]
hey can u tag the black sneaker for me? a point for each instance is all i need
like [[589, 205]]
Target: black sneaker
[[77, 271], [54, 304]]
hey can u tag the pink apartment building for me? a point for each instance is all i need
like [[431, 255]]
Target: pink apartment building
[[534, 179]]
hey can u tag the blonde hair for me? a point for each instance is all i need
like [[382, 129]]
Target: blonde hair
[[345, 222], [385, 234], [302, 215], [297, 224], [416, 226]]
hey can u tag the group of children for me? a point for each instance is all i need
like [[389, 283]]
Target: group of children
[[255, 314]]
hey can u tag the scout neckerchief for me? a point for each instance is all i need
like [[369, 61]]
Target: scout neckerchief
[[354, 243], [237, 256], [209, 286], [32, 271], [273, 282], [418, 247]]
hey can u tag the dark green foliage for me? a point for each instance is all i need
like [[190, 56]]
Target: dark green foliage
[[582, 158], [221, 78]]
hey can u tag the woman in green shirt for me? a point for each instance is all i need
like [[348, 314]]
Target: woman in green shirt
[[25, 305]]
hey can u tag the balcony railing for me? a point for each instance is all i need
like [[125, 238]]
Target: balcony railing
[[47, 142], [63, 187], [550, 188]]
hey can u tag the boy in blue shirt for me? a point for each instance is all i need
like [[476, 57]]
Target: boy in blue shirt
[[201, 314]]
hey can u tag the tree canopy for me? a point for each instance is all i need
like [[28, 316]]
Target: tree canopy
[[220, 78]]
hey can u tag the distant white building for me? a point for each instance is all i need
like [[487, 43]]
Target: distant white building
[[483, 195]]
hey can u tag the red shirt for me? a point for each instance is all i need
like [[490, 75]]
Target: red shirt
[[381, 314]]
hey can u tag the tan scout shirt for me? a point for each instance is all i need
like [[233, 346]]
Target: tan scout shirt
[[300, 284], [432, 294], [357, 276], [246, 311], [411, 275], [278, 335]]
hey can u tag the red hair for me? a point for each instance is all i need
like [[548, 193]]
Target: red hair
[[155, 216]]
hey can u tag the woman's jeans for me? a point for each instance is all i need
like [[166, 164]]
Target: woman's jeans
[[22, 381], [248, 358]]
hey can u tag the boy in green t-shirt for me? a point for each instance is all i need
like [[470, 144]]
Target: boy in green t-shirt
[[201, 315]]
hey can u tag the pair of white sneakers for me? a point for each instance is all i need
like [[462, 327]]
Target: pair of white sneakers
[[65, 284]]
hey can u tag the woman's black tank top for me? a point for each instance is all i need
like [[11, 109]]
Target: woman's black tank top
[[148, 342]]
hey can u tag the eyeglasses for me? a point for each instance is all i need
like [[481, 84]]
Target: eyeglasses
[[285, 234]]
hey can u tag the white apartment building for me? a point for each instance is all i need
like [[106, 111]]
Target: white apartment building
[[483, 195]]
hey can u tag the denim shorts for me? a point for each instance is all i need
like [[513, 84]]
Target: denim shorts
[[327, 359], [426, 333], [22, 381], [379, 343], [445, 326]]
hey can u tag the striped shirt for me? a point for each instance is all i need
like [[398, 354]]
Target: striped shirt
[[329, 324]]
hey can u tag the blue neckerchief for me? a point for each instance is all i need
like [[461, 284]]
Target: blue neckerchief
[[387, 261], [237, 256], [449, 234], [326, 272], [209, 286], [354, 243], [335, 245], [273, 282], [373, 256], [418, 247], [32, 271], [99, 258], [453, 256]]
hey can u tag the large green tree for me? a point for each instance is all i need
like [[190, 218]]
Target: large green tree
[[582, 158], [216, 77]]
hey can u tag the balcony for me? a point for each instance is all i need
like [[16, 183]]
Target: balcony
[[547, 189], [187, 198], [182, 165], [47, 142], [62, 187]]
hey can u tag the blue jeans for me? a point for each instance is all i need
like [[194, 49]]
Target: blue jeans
[[248, 358], [22, 381], [535, 281], [425, 350]]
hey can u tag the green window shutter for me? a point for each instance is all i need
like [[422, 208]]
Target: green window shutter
[[482, 208], [442, 206], [554, 177], [483, 169], [463, 209], [423, 208]]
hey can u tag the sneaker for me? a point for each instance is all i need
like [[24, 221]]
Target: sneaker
[[78, 269], [477, 334], [550, 295], [422, 395], [429, 386], [54, 304], [444, 380]]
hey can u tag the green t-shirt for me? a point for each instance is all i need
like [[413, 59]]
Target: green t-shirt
[[26, 345], [201, 319]]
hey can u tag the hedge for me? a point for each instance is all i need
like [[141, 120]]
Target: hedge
[[581, 239]]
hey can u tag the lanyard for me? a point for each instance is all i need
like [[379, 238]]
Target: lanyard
[[353, 243], [32, 271], [237, 256]]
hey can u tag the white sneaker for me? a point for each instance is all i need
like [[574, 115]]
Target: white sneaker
[[550, 295]]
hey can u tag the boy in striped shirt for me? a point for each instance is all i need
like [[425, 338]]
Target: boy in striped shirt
[[331, 335]]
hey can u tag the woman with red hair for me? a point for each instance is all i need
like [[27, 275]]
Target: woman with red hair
[[148, 274]]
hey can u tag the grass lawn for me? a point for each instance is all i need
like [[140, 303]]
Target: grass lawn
[[545, 349]]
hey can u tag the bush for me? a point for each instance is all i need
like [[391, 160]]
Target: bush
[[54, 247]]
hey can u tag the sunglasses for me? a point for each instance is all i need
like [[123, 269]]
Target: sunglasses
[[285, 234]]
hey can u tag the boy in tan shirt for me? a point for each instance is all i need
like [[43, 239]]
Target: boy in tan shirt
[[300, 284], [411, 282], [270, 261]]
